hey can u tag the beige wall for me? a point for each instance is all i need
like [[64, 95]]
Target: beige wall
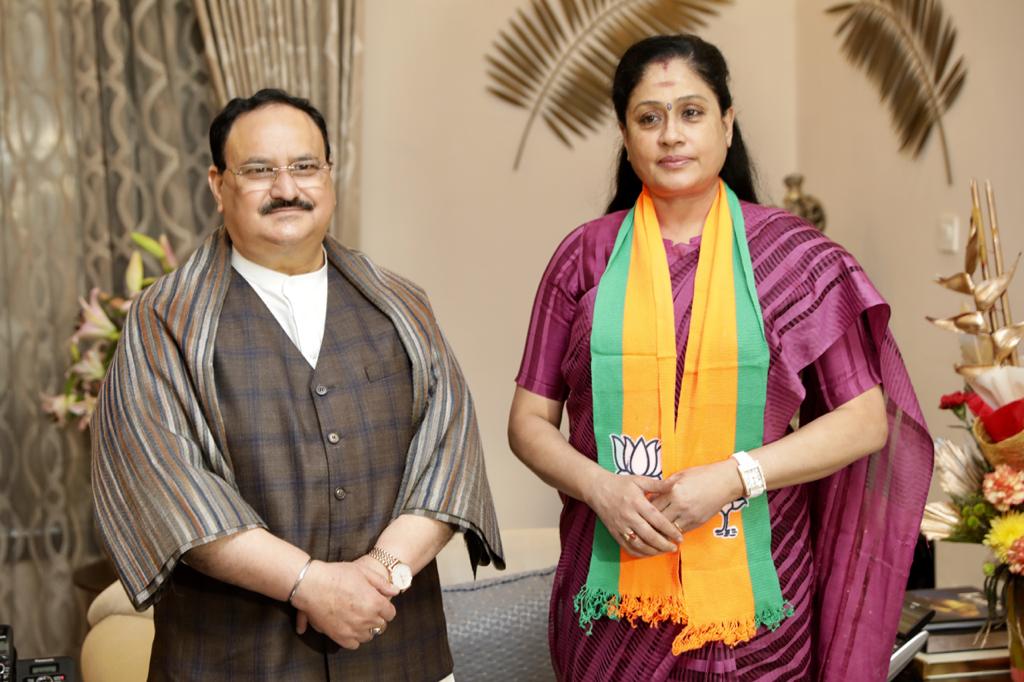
[[885, 206], [442, 205]]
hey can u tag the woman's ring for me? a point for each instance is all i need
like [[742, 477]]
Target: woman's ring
[[376, 630], [630, 535]]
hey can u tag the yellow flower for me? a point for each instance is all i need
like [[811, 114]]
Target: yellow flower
[[1004, 531]]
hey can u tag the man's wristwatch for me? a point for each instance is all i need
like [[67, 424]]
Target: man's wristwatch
[[751, 473], [399, 574]]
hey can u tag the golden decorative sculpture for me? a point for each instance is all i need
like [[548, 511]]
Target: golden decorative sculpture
[[557, 61], [804, 205], [996, 335], [905, 46]]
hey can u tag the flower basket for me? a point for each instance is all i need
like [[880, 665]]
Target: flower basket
[[1009, 451]]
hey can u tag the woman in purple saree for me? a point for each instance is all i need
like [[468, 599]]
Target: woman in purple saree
[[844, 507]]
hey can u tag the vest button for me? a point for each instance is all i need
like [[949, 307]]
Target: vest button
[[333, 438], [320, 389], [340, 493]]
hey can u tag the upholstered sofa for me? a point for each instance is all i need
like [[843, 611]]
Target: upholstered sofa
[[497, 624]]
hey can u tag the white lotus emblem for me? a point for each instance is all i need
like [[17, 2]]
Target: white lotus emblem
[[640, 458]]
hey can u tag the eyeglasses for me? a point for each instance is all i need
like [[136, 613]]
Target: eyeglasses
[[305, 174]]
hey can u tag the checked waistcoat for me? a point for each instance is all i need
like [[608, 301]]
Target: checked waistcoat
[[319, 454]]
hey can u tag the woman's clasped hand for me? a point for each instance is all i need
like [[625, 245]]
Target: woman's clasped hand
[[648, 516]]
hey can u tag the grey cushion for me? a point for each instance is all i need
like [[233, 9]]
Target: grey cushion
[[498, 628]]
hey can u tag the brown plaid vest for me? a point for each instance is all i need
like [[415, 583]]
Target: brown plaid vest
[[319, 454]]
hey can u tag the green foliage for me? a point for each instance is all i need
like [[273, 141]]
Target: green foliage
[[976, 515]]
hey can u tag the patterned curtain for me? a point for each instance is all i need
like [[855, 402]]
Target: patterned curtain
[[104, 109], [309, 48]]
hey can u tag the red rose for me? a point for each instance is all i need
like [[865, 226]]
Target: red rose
[[951, 400], [978, 407]]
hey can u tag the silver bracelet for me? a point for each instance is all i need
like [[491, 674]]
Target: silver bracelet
[[302, 574]]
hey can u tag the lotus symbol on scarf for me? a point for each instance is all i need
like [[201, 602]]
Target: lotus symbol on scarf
[[640, 458]]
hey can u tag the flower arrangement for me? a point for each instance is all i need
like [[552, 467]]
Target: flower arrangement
[[92, 346], [984, 476]]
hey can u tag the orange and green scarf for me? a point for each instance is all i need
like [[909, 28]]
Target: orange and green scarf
[[721, 584]]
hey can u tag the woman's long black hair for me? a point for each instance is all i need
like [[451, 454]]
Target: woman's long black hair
[[707, 61]]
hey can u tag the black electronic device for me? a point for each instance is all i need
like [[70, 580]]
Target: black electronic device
[[910, 639], [8, 656], [60, 669]]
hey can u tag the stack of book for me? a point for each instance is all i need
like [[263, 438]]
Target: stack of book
[[961, 642]]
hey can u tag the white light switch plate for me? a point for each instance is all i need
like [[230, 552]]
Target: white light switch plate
[[947, 235]]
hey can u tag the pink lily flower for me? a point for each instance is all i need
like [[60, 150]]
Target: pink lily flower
[[170, 261], [83, 409], [90, 367], [58, 406], [95, 323]]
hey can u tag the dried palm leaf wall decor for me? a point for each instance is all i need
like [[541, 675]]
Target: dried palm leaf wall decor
[[906, 48], [557, 59]]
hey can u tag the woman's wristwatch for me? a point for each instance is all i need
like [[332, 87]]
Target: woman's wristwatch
[[399, 574], [751, 473]]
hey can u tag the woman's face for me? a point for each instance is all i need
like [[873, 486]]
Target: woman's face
[[675, 134]]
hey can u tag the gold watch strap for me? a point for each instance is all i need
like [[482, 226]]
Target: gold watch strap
[[389, 560]]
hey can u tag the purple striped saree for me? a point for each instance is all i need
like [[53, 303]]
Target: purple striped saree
[[842, 546]]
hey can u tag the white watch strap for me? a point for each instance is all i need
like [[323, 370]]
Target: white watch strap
[[754, 483]]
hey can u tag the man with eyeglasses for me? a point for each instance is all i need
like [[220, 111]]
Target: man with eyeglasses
[[284, 438]]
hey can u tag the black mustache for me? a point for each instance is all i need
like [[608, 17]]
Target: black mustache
[[275, 204]]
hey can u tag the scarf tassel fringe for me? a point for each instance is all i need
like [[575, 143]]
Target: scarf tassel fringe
[[591, 603], [772, 617], [652, 610], [730, 633]]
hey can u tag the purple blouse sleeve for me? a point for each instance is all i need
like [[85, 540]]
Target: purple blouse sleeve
[[848, 368], [553, 309]]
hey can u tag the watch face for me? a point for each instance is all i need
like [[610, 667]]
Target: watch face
[[401, 576]]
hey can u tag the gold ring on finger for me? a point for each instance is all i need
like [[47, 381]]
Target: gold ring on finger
[[376, 630], [629, 535]]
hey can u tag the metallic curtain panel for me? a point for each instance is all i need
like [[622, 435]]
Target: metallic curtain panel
[[104, 110], [307, 47]]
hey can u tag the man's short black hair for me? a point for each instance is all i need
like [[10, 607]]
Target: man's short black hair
[[222, 123]]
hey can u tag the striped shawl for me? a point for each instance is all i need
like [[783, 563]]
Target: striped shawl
[[162, 475]]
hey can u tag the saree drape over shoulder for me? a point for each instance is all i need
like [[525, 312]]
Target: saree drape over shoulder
[[162, 474], [842, 546]]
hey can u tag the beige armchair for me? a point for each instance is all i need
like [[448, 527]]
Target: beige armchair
[[119, 640]]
